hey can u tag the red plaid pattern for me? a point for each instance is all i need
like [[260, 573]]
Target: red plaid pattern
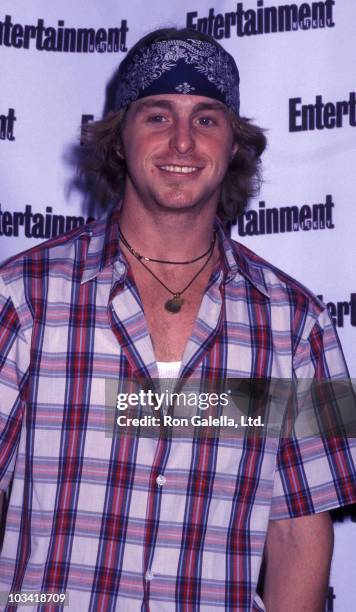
[[86, 513]]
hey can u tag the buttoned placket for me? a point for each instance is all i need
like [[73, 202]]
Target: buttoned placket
[[141, 356]]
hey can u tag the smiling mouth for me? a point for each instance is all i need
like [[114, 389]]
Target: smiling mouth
[[180, 169]]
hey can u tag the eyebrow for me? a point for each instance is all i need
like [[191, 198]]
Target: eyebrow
[[167, 104]]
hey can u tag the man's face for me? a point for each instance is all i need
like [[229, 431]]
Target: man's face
[[177, 150]]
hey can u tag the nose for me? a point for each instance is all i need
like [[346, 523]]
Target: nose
[[182, 139]]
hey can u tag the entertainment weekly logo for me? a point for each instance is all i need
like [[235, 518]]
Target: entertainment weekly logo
[[305, 218], [263, 19], [342, 312], [32, 224], [62, 38], [7, 125], [321, 115]]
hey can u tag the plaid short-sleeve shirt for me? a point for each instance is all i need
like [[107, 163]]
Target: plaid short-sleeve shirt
[[148, 524]]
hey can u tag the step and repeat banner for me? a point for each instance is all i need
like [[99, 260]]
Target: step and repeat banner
[[297, 68]]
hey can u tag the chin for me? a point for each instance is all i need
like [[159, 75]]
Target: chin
[[178, 201], [177, 205]]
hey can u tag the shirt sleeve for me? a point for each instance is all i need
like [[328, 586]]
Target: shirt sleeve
[[14, 358], [315, 470]]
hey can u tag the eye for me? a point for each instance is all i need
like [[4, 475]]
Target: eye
[[206, 121], [156, 119]]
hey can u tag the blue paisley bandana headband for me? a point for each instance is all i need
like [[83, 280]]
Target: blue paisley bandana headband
[[188, 66]]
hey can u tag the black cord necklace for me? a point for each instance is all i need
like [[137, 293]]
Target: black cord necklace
[[164, 261], [174, 304]]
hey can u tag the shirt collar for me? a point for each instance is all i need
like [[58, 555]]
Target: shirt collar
[[237, 259], [104, 250]]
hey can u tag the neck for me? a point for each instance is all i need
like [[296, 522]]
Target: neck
[[176, 236]]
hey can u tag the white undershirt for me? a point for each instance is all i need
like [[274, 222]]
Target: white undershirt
[[168, 373], [168, 369]]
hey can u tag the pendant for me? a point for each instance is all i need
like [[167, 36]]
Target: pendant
[[175, 304]]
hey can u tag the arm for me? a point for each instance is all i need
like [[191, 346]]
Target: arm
[[298, 555], [14, 359], [2, 526]]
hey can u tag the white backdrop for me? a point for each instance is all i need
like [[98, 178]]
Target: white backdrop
[[297, 67]]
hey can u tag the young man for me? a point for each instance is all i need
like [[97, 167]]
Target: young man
[[161, 523]]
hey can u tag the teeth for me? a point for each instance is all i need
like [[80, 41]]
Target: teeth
[[182, 169]]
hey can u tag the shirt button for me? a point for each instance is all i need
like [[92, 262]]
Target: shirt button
[[161, 480], [149, 575]]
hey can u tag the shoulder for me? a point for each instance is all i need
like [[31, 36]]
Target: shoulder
[[274, 277], [284, 291], [26, 277], [49, 255]]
